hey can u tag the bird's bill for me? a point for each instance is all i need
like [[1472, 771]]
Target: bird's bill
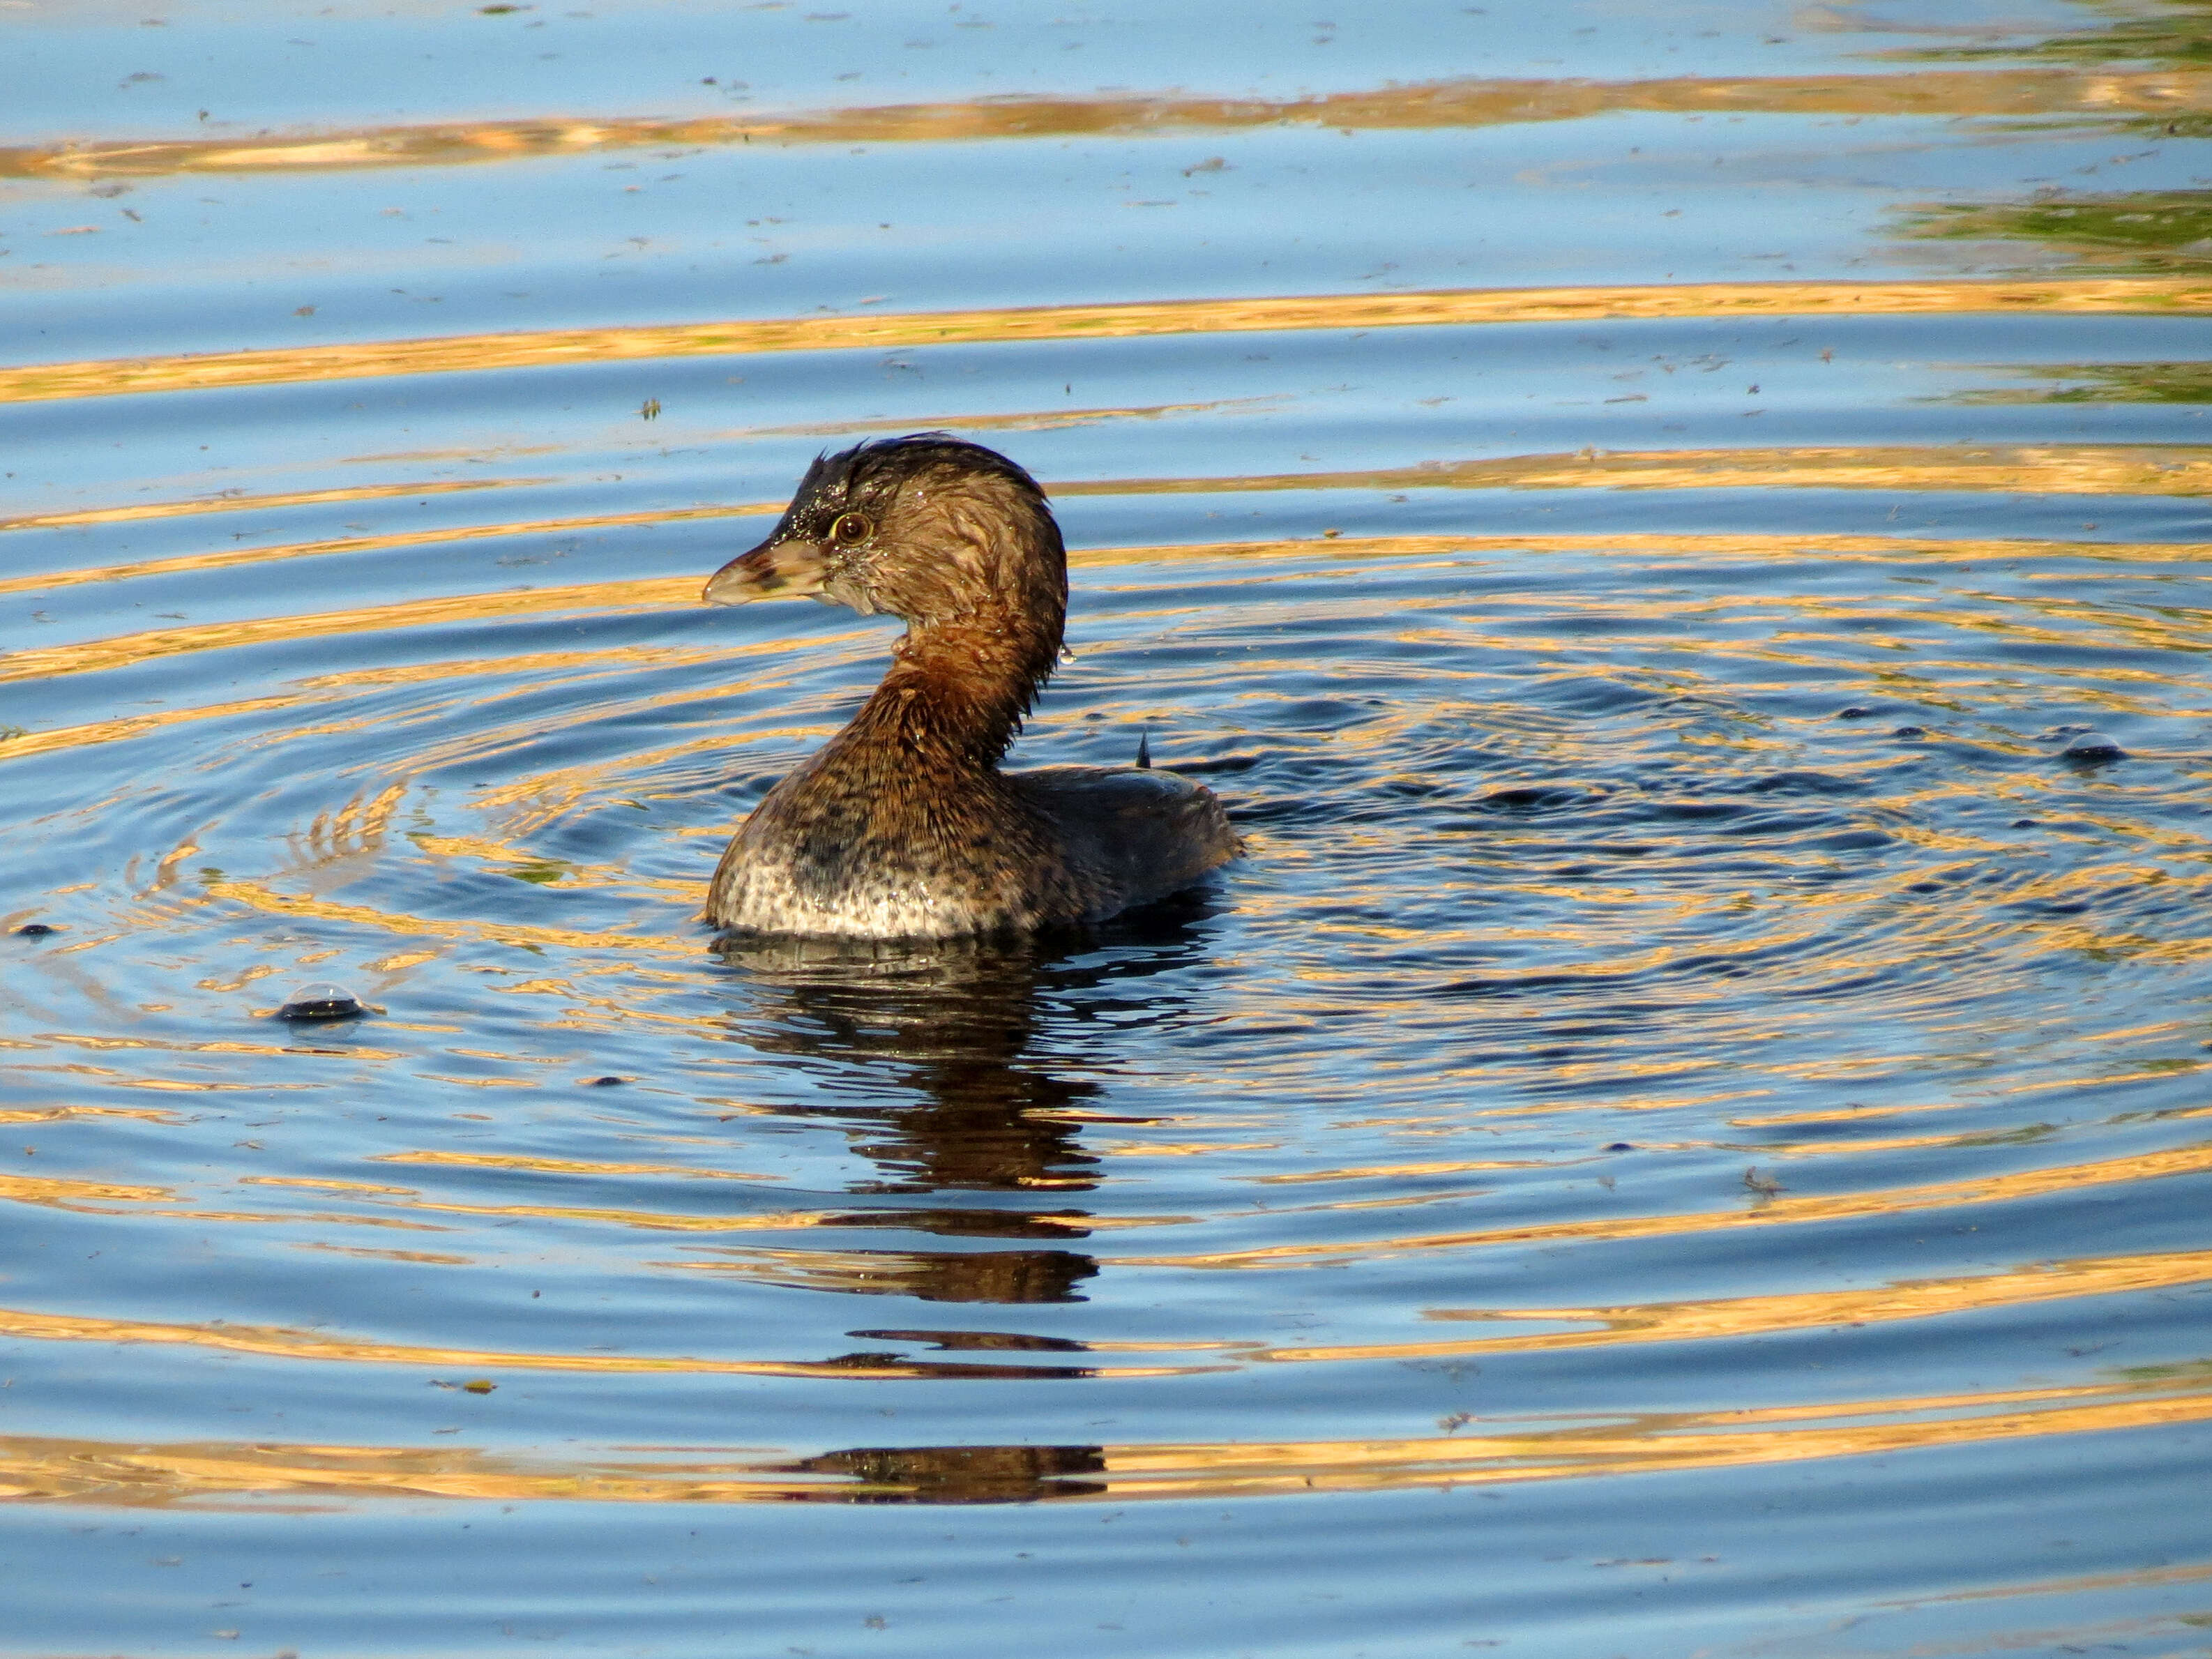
[[773, 570]]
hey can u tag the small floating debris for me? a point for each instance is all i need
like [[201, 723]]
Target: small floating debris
[[2092, 746], [1854, 713], [36, 930], [2026, 823], [1910, 732], [607, 1082], [321, 1002], [1761, 1184], [1621, 1146]]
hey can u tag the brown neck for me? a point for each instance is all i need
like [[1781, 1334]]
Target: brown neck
[[957, 692]]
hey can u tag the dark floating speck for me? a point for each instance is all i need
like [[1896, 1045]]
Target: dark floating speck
[[321, 1002], [607, 1082], [1622, 1147], [1854, 713], [1910, 732], [37, 929], [2093, 746], [2025, 824]]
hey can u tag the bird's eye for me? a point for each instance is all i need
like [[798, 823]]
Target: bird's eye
[[850, 527]]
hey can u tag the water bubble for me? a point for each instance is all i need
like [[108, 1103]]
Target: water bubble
[[2092, 746], [321, 1002]]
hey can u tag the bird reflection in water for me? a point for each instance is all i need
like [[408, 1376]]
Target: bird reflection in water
[[962, 1068], [966, 1063], [959, 1474]]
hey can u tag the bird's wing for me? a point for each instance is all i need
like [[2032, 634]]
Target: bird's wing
[[1147, 833]]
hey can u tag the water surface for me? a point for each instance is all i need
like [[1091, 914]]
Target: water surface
[[1686, 1132]]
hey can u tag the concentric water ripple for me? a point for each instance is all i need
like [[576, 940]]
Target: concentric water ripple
[[1685, 1132]]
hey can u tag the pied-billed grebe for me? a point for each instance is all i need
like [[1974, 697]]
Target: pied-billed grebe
[[904, 826]]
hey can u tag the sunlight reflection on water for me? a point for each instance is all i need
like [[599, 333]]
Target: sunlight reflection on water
[[1685, 1132]]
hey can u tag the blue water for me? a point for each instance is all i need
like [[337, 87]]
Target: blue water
[[1686, 1134]]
